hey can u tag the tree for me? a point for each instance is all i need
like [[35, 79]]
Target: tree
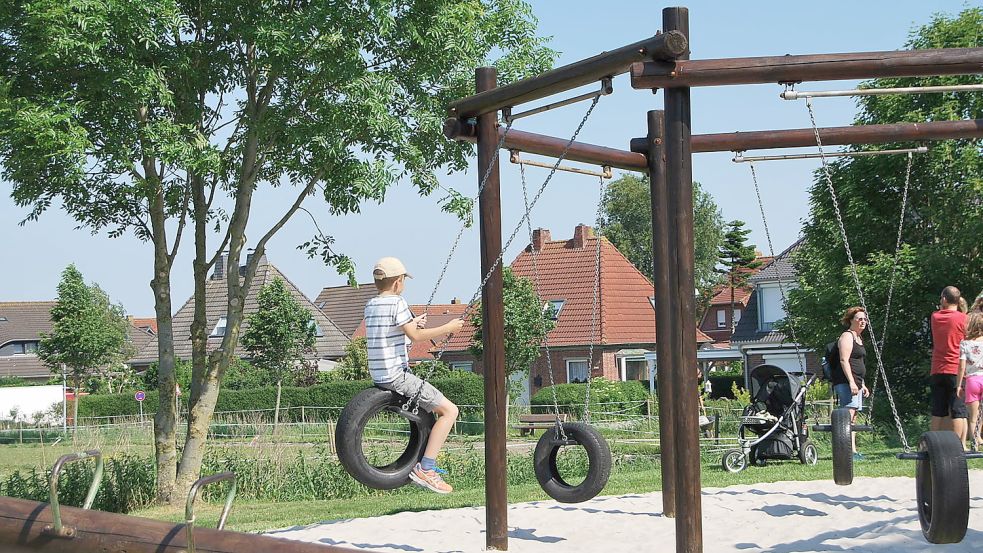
[[140, 116], [354, 365], [738, 260], [527, 322], [88, 332], [942, 224], [628, 225], [279, 336]]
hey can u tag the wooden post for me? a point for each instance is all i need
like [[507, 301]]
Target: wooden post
[[679, 178], [665, 295], [493, 324]]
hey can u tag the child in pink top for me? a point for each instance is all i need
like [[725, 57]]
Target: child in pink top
[[970, 377]]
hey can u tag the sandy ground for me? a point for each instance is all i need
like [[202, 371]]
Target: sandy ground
[[872, 515]]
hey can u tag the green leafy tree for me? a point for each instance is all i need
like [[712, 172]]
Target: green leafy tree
[[143, 116], [527, 322], [88, 332], [628, 225], [354, 365], [942, 224], [738, 260], [280, 336]]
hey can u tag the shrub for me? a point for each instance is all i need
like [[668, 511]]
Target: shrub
[[8, 381], [606, 395]]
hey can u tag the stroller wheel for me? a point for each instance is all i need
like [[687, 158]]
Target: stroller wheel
[[734, 461], [808, 454]]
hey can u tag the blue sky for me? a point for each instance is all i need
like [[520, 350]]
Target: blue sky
[[414, 228]]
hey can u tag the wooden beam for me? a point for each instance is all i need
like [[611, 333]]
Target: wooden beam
[[819, 67]]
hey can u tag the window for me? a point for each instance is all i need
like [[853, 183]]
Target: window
[[317, 329], [652, 301], [219, 329], [552, 308], [463, 366], [770, 308], [578, 370], [636, 369], [737, 316], [30, 347], [721, 318], [13, 348]]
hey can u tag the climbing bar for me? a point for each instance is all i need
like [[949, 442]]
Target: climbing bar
[[189, 507], [855, 134], [662, 46], [741, 158], [799, 94], [605, 173], [57, 528], [816, 67], [22, 522]]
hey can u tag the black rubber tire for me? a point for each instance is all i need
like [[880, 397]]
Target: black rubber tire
[[348, 439], [598, 458], [733, 461], [808, 454], [842, 446], [942, 488]]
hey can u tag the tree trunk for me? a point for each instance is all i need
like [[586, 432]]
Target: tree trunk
[[733, 323], [165, 439], [75, 404], [276, 410]]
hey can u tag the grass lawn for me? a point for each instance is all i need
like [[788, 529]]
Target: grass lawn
[[256, 516]]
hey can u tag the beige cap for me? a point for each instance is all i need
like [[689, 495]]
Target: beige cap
[[389, 267]]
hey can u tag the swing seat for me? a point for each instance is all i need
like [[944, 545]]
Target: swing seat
[[598, 460], [351, 429]]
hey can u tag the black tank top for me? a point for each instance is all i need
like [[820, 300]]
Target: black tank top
[[857, 366]]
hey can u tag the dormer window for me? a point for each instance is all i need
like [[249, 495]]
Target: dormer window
[[219, 329], [552, 308]]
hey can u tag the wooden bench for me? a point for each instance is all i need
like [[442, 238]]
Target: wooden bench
[[528, 424]]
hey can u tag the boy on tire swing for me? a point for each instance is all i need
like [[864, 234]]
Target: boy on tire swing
[[388, 324]]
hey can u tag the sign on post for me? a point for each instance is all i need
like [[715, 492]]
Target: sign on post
[[140, 396]]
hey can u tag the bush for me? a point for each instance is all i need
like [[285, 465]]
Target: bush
[[9, 381], [606, 395]]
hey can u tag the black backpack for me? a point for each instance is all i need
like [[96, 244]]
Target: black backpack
[[831, 360]]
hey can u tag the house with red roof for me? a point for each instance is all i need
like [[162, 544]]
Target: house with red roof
[[718, 320], [622, 328]]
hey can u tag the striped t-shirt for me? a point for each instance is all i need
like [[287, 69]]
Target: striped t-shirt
[[384, 336]]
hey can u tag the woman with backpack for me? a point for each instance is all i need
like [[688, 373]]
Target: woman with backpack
[[848, 377]]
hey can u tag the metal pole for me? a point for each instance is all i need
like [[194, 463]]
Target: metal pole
[[813, 67], [798, 94], [679, 179], [493, 325], [665, 307], [741, 158]]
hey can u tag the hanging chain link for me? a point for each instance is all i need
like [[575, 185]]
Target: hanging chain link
[[856, 277], [414, 401], [781, 285], [595, 301], [894, 273], [539, 299]]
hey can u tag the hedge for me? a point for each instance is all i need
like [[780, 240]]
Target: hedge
[[463, 389], [615, 396]]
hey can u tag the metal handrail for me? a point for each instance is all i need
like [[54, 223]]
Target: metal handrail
[[56, 527], [189, 509]]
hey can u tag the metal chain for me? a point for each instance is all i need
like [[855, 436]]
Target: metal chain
[[856, 276], [894, 273], [539, 300], [525, 216], [595, 303], [781, 286]]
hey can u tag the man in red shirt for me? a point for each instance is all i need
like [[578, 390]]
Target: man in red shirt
[[948, 329]]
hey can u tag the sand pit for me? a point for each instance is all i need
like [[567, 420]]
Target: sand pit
[[874, 514]]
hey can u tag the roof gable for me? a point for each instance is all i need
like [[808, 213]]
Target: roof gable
[[24, 320], [345, 305]]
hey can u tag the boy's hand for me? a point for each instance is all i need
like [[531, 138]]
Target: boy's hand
[[420, 321], [454, 326]]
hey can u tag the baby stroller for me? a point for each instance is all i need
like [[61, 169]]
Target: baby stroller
[[773, 426]]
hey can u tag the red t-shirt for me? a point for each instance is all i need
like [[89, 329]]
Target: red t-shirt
[[948, 329]]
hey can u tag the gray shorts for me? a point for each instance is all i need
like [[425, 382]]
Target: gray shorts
[[408, 384]]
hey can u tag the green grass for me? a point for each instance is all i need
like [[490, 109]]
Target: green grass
[[256, 516]]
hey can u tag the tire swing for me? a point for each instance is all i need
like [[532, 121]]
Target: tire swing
[[546, 463], [842, 432], [941, 472], [351, 428]]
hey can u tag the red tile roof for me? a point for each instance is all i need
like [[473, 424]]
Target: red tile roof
[[567, 272], [721, 294], [145, 323]]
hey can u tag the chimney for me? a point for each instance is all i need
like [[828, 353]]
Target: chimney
[[249, 257], [540, 237], [219, 272], [455, 301], [581, 234]]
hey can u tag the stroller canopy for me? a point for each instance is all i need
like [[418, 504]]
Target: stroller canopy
[[774, 387]]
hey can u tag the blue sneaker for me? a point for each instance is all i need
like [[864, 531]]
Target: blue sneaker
[[857, 456]]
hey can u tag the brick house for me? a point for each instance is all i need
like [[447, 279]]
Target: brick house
[[756, 339], [329, 345], [625, 329], [21, 325], [718, 321]]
